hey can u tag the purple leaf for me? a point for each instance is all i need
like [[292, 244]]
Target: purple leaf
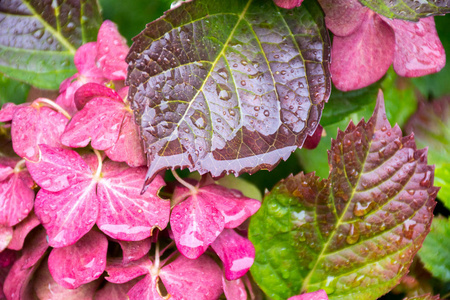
[[288, 4], [418, 50], [119, 272], [91, 91], [236, 252], [114, 291], [125, 214], [192, 279], [34, 125], [6, 234], [234, 289], [99, 122], [69, 214], [134, 250], [128, 147], [80, 263], [195, 225], [47, 288], [363, 57], [318, 295], [58, 169], [16, 286], [21, 231], [111, 52], [16, 198]]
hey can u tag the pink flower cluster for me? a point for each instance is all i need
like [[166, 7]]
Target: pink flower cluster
[[366, 44], [73, 208]]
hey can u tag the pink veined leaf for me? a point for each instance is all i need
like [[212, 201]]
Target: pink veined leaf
[[236, 252], [197, 221], [313, 141], [21, 231], [98, 122], [16, 286], [135, 250], [343, 17], [6, 234], [318, 295], [288, 4], [128, 147], [34, 125], [16, 198], [192, 279], [234, 289], [80, 263], [91, 91], [124, 213], [115, 291], [47, 288], [111, 52], [418, 50], [363, 57]]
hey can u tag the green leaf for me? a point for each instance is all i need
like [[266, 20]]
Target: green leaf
[[436, 85], [408, 9], [39, 39], [354, 234], [12, 90], [423, 297], [229, 86], [435, 252], [400, 101], [431, 127]]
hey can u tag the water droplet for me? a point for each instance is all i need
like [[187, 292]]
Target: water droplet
[[408, 228], [426, 181], [225, 95], [361, 209], [244, 62], [243, 83], [223, 73], [353, 234], [38, 33], [231, 112], [283, 72], [266, 113], [199, 119]]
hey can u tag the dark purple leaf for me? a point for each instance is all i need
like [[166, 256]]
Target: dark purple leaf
[[228, 86], [313, 141]]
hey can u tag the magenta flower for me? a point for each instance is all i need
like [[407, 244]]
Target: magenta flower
[[288, 3], [365, 44]]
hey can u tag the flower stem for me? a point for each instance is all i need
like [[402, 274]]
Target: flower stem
[[183, 182], [100, 163], [52, 104], [19, 166]]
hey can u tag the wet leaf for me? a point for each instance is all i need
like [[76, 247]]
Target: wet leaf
[[12, 90], [80, 263], [223, 87], [39, 39], [319, 295], [435, 253], [431, 127], [408, 9], [354, 234]]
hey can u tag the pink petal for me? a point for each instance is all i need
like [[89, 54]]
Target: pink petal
[[313, 141], [318, 295], [233, 205], [99, 121], [112, 49], [85, 62], [363, 57], [6, 234], [58, 169], [5, 172], [418, 50], [7, 259], [118, 272], [125, 214], [16, 199], [195, 225], [93, 90], [47, 288], [236, 252], [21, 231], [16, 286], [145, 289], [288, 3], [128, 147], [68, 214], [32, 126], [8, 110], [80, 263], [199, 279], [234, 289], [134, 250], [67, 92], [114, 291], [343, 17]]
